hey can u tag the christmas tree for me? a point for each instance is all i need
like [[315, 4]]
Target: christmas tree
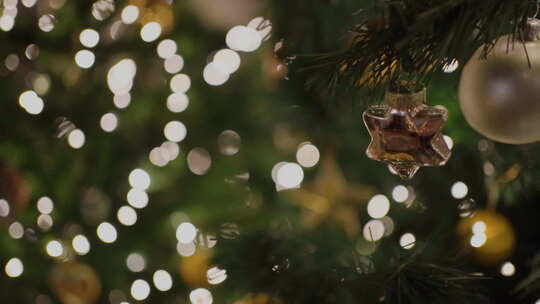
[[214, 151]]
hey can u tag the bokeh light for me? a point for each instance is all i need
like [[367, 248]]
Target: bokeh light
[[459, 190], [177, 102], [130, 14], [122, 101], [374, 230], [140, 289], [107, 233], [180, 83], [216, 276], [31, 102], [45, 205], [76, 139], [89, 38], [135, 262], [137, 198], [4, 208], [46, 22], [478, 240], [16, 230], [201, 296], [162, 280], [289, 175], [120, 76], [407, 241], [150, 31], [186, 233], [378, 206], [175, 131], [229, 142], [307, 155], [227, 61], [173, 64], [44, 222], [80, 244], [85, 59], [243, 38], [508, 269], [213, 75], [55, 248], [14, 268], [139, 179], [108, 122], [186, 249], [127, 216], [166, 48]]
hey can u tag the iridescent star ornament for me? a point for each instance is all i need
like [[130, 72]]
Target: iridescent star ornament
[[405, 132]]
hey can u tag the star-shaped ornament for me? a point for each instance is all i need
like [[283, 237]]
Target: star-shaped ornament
[[406, 133], [330, 198]]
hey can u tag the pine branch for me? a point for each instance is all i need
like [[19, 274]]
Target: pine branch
[[414, 39]]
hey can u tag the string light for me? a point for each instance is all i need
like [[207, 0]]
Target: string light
[[400, 194], [186, 250], [290, 175], [45, 222], [173, 64], [213, 75], [216, 276]]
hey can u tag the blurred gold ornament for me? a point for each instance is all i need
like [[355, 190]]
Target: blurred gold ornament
[[331, 198], [193, 269], [75, 283], [499, 94], [13, 187], [489, 234], [221, 15], [155, 11], [374, 74], [260, 298]]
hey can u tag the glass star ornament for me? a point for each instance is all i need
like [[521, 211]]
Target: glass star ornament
[[405, 132]]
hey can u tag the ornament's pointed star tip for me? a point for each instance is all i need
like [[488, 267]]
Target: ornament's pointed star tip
[[406, 172]]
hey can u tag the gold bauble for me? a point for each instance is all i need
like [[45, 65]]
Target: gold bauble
[[193, 269], [75, 283], [499, 94], [499, 240], [260, 298], [221, 15]]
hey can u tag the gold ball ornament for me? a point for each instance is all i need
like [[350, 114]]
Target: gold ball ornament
[[193, 269], [498, 94], [75, 283], [260, 298], [490, 235]]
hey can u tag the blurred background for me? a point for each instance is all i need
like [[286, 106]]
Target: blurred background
[[169, 151]]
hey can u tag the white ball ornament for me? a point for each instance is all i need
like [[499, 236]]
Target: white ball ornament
[[499, 94]]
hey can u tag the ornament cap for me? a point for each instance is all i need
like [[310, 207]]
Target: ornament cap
[[405, 95], [532, 30]]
